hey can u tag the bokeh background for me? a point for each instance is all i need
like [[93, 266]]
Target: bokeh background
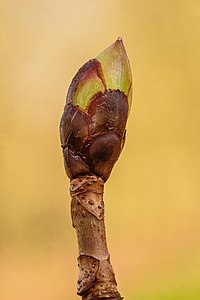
[[153, 196]]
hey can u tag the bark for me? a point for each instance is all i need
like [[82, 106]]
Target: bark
[[96, 279]]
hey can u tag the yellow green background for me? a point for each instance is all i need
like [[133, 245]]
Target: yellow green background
[[153, 195]]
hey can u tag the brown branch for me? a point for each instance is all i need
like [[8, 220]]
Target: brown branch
[[96, 276]]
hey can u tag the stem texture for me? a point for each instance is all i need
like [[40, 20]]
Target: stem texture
[[96, 276]]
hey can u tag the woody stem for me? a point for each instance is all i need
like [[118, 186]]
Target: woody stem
[[96, 276]]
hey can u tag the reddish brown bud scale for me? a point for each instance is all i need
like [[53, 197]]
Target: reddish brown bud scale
[[94, 136]]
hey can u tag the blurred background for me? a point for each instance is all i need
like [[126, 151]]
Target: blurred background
[[152, 196]]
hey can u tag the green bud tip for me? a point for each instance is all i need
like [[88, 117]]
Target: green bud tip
[[110, 70]]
